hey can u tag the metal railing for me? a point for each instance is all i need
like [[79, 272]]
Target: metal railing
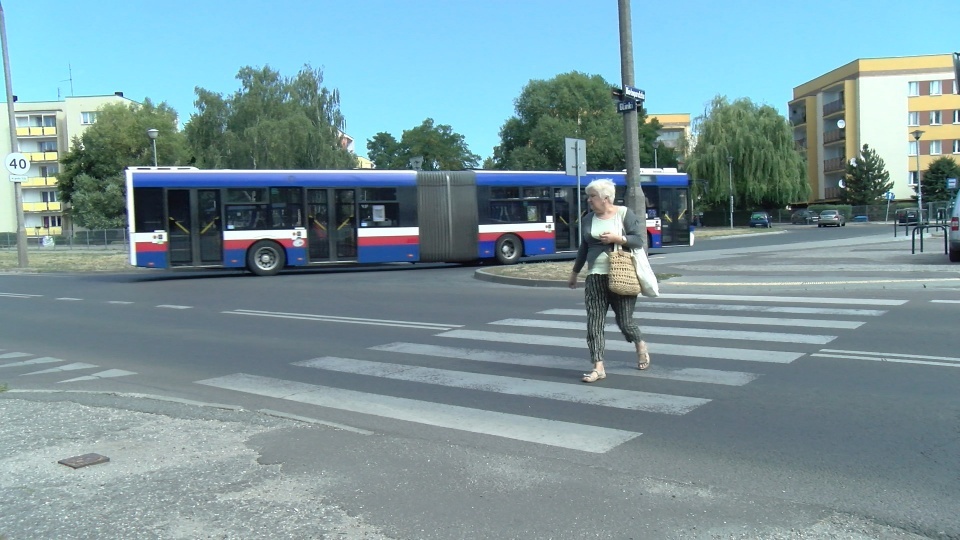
[[112, 239]]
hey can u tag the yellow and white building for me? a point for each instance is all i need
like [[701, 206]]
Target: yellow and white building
[[674, 129], [880, 102], [44, 132]]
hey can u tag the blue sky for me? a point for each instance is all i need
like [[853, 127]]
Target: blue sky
[[460, 62]]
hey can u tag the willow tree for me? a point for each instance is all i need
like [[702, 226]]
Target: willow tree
[[271, 122], [768, 171]]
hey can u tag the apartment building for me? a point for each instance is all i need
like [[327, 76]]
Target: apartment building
[[44, 131], [884, 103], [674, 129]]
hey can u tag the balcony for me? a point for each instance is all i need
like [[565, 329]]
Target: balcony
[[834, 164], [36, 131], [39, 181], [834, 135], [800, 144], [41, 207], [44, 231], [833, 107], [37, 157]]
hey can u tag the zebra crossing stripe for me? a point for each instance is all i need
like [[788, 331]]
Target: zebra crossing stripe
[[723, 353], [68, 367], [723, 319], [785, 299], [511, 426], [576, 393], [43, 360], [898, 358], [656, 371], [336, 319], [102, 375], [754, 309], [739, 335], [5, 356]]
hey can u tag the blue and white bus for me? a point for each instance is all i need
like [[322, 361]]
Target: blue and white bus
[[265, 221]]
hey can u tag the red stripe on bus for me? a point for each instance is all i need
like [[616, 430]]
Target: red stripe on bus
[[150, 247], [387, 240]]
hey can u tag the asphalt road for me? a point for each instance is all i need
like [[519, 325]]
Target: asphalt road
[[803, 386]]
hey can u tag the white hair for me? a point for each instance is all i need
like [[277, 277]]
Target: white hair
[[604, 187]]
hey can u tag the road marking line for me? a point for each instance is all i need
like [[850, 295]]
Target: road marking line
[[511, 426], [787, 299], [14, 355], [889, 354], [656, 371], [724, 319], [739, 335], [43, 360], [68, 367], [725, 353], [172, 306], [347, 320], [102, 375], [884, 359], [18, 295], [576, 393], [946, 301]]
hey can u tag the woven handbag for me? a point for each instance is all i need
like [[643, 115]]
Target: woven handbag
[[623, 273]]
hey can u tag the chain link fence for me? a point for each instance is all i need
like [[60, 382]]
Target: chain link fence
[[106, 239]]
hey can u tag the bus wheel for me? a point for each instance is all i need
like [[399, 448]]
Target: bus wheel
[[266, 258], [509, 249]]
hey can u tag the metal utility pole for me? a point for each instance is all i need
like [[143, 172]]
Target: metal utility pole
[[14, 147], [631, 136]]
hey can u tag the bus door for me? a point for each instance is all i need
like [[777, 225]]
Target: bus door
[[194, 228], [331, 225], [674, 215], [564, 219]]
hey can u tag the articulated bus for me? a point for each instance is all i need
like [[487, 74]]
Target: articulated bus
[[264, 221]]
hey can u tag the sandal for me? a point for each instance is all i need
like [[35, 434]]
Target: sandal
[[643, 357], [594, 376]]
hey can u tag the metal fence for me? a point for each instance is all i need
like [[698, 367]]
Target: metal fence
[[113, 239]]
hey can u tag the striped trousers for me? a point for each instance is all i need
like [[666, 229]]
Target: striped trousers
[[598, 299]]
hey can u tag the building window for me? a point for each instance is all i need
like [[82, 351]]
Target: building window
[[913, 148], [956, 146], [49, 196], [49, 170], [934, 148], [956, 116], [913, 88], [913, 118], [87, 118], [912, 178], [935, 118], [51, 221], [48, 146], [935, 88]]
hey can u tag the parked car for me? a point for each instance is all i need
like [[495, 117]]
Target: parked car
[[804, 217], [761, 219], [831, 217], [953, 231], [908, 216]]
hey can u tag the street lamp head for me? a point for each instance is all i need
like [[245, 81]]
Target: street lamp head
[[916, 134], [656, 144], [729, 159], [152, 133]]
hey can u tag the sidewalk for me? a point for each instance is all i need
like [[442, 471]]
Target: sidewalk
[[177, 469]]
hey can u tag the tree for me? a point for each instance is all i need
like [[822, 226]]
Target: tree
[[272, 122], [934, 180], [866, 180], [571, 105], [768, 171], [441, 148], [91, 174]]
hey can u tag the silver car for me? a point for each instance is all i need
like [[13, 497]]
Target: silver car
[[831, 217], [953, 231]]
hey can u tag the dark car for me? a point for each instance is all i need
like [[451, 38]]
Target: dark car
[[804, 217], [761, 219]]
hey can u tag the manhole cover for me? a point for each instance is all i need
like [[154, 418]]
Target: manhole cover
[[82, 461]]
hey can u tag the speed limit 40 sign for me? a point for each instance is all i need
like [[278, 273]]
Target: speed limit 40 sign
[[18, 165]]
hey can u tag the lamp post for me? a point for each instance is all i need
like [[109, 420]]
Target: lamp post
[[730, 170], [916, 136], [656, 144], [152, 133]]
